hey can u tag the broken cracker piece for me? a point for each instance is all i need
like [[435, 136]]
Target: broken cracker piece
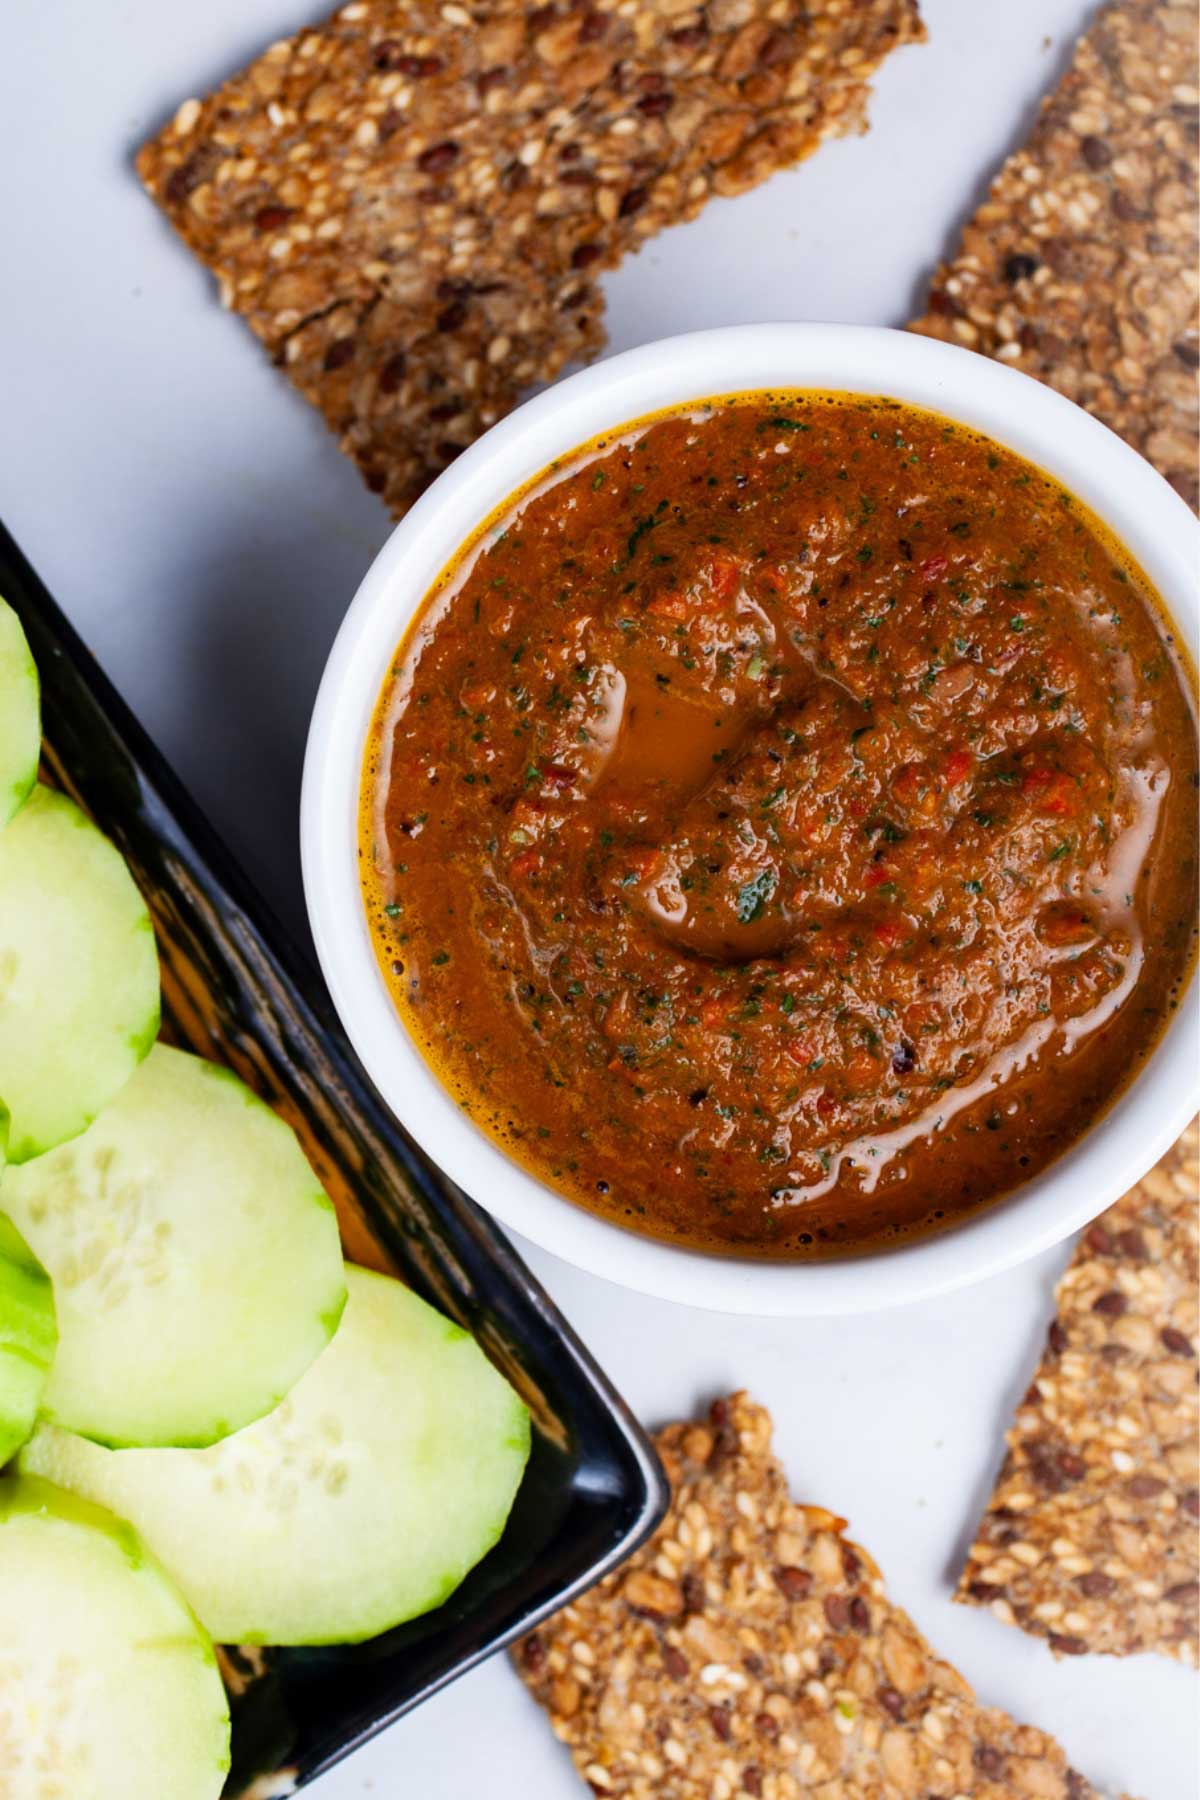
[[457, 176], [1081, 266], [344, 192], [749, 1649], [1091, 1538]]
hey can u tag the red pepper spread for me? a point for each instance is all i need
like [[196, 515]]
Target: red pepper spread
[[778, 825]]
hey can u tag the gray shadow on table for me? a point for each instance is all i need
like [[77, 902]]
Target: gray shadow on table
[[263, 595]]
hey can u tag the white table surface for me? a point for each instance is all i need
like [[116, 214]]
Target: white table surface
[[195, 520]]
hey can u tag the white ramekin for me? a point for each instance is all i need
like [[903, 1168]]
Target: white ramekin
[[1123, 489]]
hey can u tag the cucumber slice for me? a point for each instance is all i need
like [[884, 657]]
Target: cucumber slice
[[20, 715], [362, 1501], [194, 1254], [27, 1337], [108, 1685], [78, 973]]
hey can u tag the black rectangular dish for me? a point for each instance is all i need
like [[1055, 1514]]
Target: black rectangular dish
[[236, 991]]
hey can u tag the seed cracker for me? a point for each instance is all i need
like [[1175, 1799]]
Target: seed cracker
[[1091, 1537], [751, 1650], [410, 203], [1081, 265]]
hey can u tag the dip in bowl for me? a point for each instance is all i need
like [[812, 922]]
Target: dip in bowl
[[765, 818]]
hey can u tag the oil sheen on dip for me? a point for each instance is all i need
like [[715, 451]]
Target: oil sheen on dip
[[778, 824]]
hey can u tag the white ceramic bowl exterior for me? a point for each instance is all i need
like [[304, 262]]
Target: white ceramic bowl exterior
[[1124, 490]]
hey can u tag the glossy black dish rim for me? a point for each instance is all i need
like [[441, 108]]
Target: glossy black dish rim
[[237, 989]]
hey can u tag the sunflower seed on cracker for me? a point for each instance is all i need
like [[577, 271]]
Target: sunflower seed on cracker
[[433, 187], [1081, 266], [1091, 1538], [750, 1649]]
